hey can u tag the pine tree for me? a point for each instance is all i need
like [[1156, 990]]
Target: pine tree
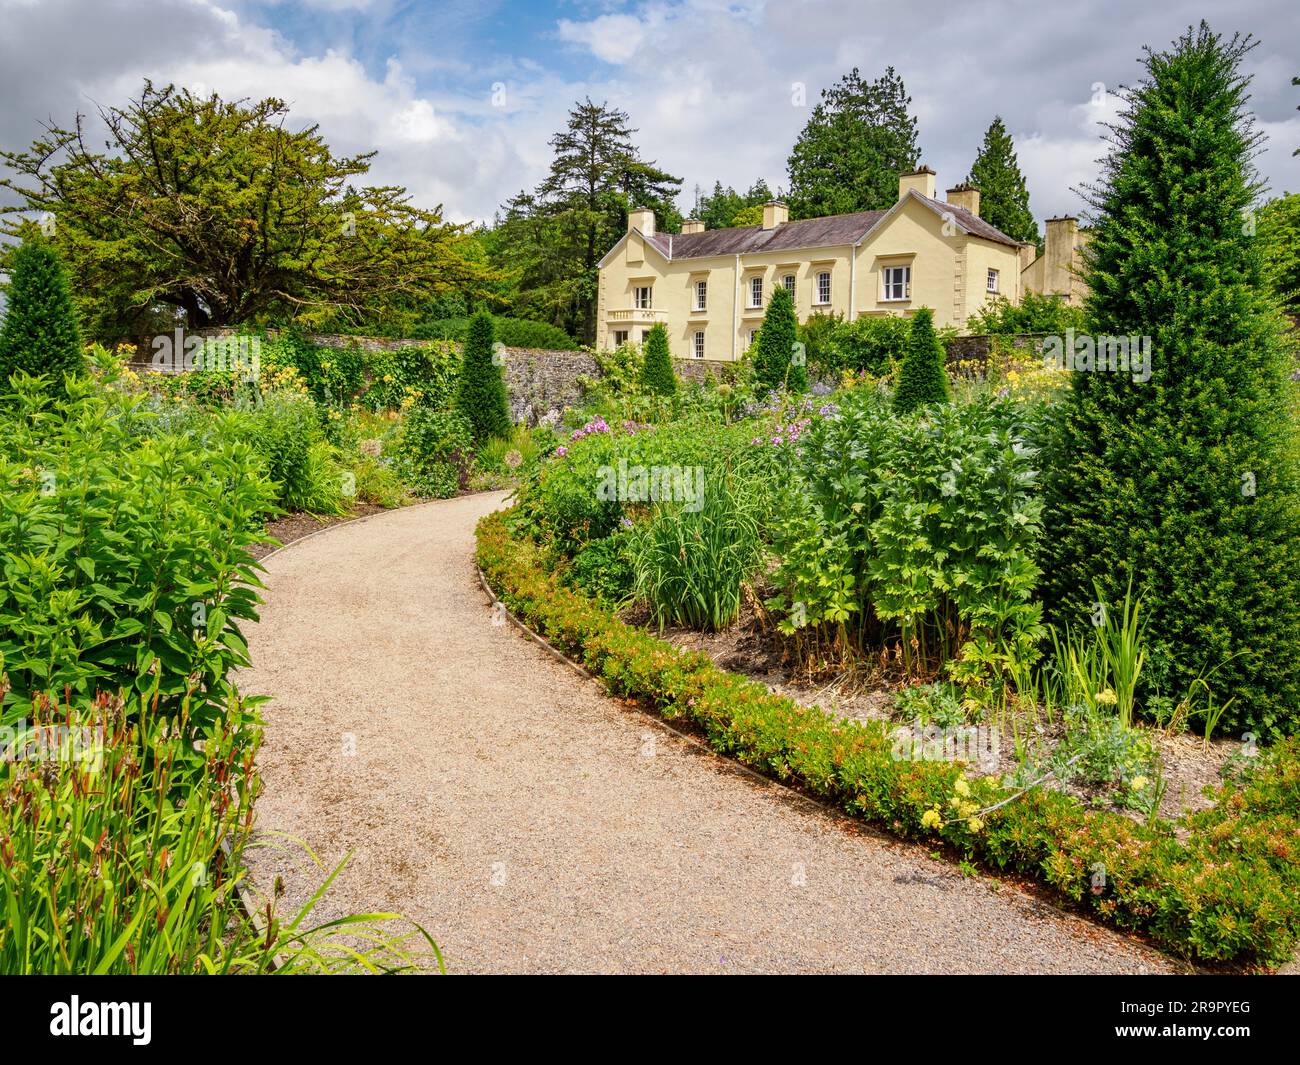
[[922, 378], [657, 374], [40, 334], [1004, 200], [1181, 475], [555, 237], [481, 395], [859, 138], [776, 340]]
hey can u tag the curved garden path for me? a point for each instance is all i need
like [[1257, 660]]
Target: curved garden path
[[492, 794]]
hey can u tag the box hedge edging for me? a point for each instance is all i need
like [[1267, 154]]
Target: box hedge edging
[[1230, 892]]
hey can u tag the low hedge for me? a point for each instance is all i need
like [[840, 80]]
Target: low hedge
[[1230, 892]]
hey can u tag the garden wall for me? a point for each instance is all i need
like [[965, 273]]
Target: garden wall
[[540, 381]]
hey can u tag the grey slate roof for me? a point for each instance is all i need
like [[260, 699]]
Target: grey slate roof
[[831, 231]]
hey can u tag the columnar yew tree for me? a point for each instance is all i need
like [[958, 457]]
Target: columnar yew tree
[[1185, 482], [657, 370], [776, 340], [922, 378], [481, 395], [40, 334]]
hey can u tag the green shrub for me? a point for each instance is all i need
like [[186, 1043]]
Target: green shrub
[[922, 379], [126, 555], [689, 561], [428, 374], [435, 451], [870, 345], [1185, 483], [285, 431], [776, 341], [481, 394], [602, 570], [1228, 889], [332, 375], [1035, 313], [39, 335], [657, 374]]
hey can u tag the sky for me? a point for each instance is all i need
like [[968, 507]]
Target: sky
[[461, 99]]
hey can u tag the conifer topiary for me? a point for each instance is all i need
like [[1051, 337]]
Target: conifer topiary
[[481, 395], [922, 378], [657, 374], [776, 341], [1177, 471], [39, 334]]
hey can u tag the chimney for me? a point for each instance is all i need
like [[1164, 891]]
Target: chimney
[[641, 218], [775, 213], [921, 179], [692, 225], [1058, 254], [967, 197], [1028, 253]]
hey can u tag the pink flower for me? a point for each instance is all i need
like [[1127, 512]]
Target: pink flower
[[561, 451]]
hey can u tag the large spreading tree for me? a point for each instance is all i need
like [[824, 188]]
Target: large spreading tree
[[860, 137], [1185, 480], [1004, 199], [217, 212], [554, 236]]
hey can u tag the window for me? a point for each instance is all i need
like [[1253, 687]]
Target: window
[[993, 280], [753, 337], [620, 337], [788, 282], [898, 283], [699, 343], [824, 287], [701, 295], [645, 335], [641, 297], [756, 292]]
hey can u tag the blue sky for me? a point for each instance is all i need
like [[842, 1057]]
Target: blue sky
[[712, 85]]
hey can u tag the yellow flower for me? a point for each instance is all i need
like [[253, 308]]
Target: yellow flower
[[931, 819], [975, 824], [961, 787], [1107, 697], [388, 378], [1138, 783]]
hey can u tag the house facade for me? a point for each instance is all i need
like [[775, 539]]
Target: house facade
[[710, 288]]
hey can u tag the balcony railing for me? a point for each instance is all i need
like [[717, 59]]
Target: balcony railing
[[637, 314]]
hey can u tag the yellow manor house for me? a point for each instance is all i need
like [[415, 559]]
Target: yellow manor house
[[710, 287]]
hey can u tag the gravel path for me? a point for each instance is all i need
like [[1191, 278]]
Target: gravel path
[[533, 825]]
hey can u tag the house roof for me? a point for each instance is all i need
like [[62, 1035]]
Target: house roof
[[830, 231]]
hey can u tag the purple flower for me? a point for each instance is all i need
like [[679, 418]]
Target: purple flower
[[561, 451]]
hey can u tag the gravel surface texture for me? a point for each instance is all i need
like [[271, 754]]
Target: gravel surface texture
[[531, 824]]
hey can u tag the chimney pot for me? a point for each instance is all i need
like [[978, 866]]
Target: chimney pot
[[965, 196], [692, 225]]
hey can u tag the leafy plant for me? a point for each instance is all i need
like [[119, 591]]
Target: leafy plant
[[126, 551]]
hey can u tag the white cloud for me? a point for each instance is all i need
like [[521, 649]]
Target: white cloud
[[613, 38]]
